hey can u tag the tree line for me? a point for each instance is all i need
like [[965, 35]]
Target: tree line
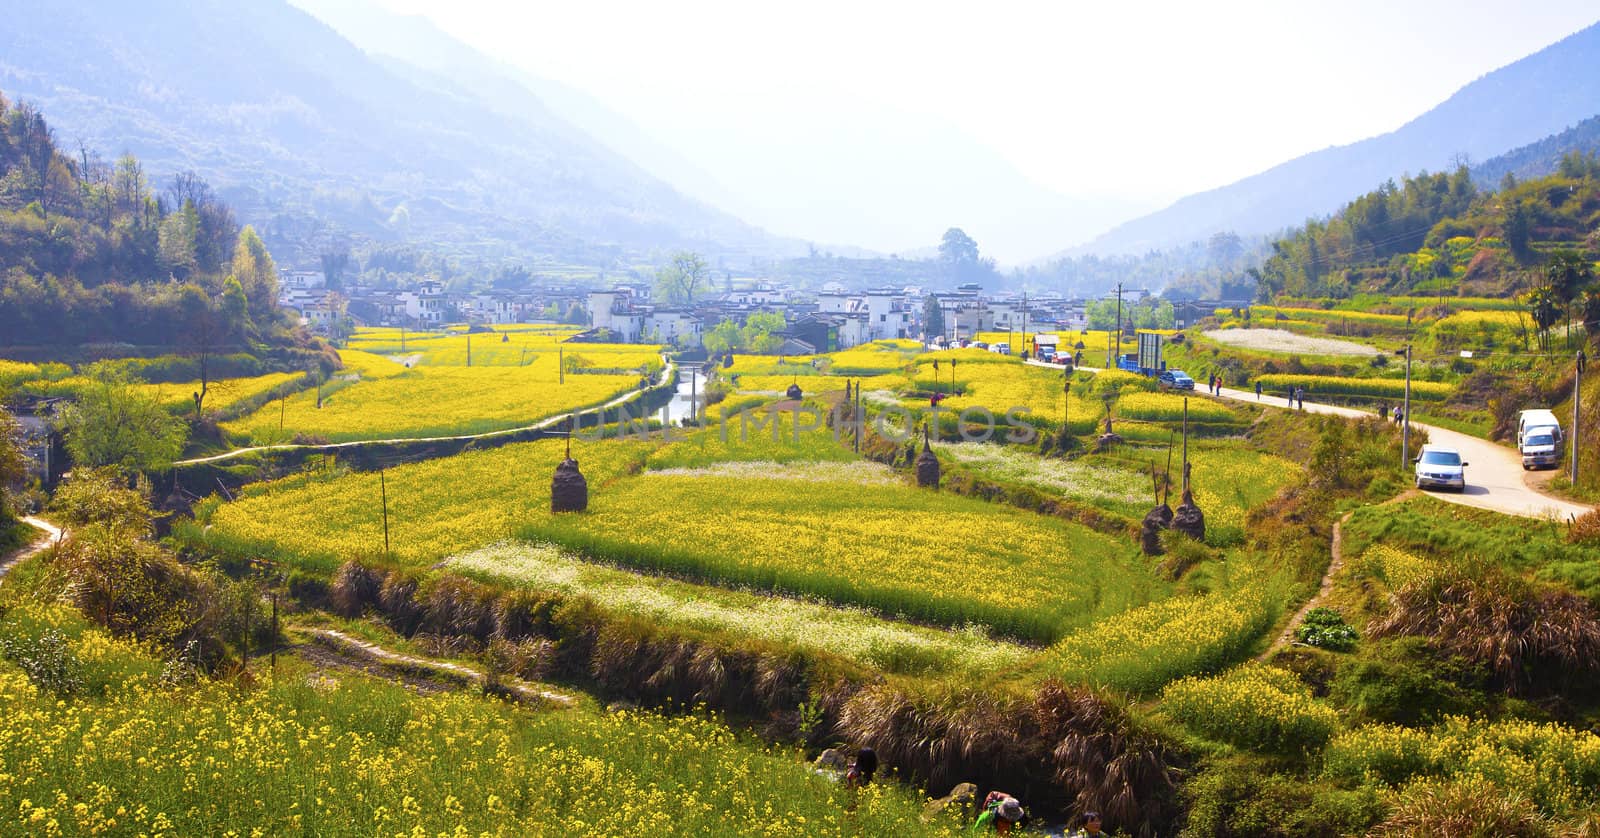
[[91, 252]]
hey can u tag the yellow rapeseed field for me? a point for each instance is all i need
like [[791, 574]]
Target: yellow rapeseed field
[[433, 401], [436, 507], [305, 753], [896, 548]]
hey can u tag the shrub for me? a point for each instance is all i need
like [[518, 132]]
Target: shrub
[[1470, 806], [1253, 706], [1235, 797], [1399, 690], [47, 660], [1325, 628], [1585, 529]]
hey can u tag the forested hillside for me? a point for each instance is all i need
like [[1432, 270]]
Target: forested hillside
[[311, 139], [1441, 234], [92, 254]]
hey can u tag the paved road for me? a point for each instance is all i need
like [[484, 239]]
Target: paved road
[[1494, 472], [1495, 479]]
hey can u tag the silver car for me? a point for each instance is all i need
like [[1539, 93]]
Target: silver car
[[1439, 467]]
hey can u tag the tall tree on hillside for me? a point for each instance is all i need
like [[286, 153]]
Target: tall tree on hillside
[[932, 317], [253, 267], [959, 256], [1519, 232], [1568, 273], [178, 236], [1225, 250], [682, 279]]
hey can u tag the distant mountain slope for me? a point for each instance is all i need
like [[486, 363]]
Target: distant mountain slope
[[1541, 158], [846, 172], [298, 127], [1532, 98]]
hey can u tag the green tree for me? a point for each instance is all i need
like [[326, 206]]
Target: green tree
[[179, 238], [757, 337], [723, 337], [254, 268], [682, 279], [932, 317], [960, 259], [12, 465], [114, 423], [1519, 231]]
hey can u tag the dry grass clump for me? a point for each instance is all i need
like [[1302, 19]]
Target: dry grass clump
[[1529, 636]]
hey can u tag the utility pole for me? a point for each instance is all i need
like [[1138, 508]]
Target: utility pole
[[1577, 381], [860, 420], [694, 395], [402, 339], [383, 489], [1405, 431], [469, 349], [274, 631], [1118, 357], [561, 364], [1024, 322]]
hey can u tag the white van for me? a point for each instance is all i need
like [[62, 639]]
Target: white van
[[1538, 438]]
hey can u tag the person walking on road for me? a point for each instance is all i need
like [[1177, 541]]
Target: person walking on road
[[1258, 389], [1383, 410]]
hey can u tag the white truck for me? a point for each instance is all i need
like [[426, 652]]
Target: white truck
[[1538, 438]]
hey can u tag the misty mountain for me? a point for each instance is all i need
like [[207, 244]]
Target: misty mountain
[[1513, 106], [1542, 158], [308, 136], [837, 172]]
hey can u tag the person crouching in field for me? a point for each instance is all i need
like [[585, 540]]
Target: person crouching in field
[[861, 770], [1091, 826], [1002, 814]]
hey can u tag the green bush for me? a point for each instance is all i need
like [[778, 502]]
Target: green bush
[[1325, 628], [1236, 798]]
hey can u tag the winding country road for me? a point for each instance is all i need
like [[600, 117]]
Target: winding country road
[[1495, 478], [1494, 472]]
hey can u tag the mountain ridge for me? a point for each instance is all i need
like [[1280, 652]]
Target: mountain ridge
[[1319, 182]]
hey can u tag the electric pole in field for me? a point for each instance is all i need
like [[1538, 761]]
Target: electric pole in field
[[1405, 428], [1577, 394], [1117, 358]]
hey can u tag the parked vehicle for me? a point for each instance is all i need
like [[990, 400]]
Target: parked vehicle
[[980, 345], [1000, 349], [1047, 354], [1175, 380], [1439, 467], [1538, 438], [1541, 448]]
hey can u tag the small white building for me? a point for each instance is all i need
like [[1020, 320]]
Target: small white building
[[888, 314], [677, 326], [615, 312], [425, 305]]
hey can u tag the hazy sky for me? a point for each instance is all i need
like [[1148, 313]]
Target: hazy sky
[[1143, 101]]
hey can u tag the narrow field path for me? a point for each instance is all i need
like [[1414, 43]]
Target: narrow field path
[[1334, 566], [541, 425], [357, 652], [50, 536]]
